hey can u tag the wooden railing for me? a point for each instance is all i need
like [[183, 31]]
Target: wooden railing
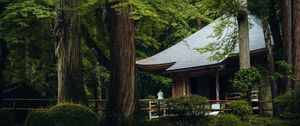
[[153, 109], [151, 105]]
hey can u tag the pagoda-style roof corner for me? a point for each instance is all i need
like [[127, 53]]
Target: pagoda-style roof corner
[[183, 56], [155, 67]]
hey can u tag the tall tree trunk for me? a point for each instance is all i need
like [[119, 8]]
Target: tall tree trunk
[[286, 13], [68, 52], [121, 98], [3, 55], [244, 54], [296, 42], [275, 28], [271, 63], [98, 95], [244, 40]]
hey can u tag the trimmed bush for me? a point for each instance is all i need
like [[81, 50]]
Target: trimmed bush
[[178, 121], [39, 118], [240, 108], [66, 114], [6, 118], [228, 120], [191, 105], [160, 122], [246, 80], [260, 121], [69, 114]]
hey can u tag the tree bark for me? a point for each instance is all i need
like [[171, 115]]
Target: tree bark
[[3, 55], [244, 54], [275, 28], [121, 100], [286, 13], [296, 43], [98, 95], [68, 53], [271, 63]]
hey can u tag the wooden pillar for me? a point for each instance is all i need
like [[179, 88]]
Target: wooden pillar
[[217, 85], [180, 86], [186, 84]]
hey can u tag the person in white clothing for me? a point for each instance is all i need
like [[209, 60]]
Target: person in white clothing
[[160, 95]]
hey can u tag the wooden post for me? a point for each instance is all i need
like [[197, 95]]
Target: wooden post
[[186, 85], [217, 85], [150, 114]]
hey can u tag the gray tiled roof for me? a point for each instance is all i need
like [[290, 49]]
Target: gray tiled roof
[[186, 57]]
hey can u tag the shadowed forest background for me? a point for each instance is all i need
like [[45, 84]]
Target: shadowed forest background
[[75, 51]]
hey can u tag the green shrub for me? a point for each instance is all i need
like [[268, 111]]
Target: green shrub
[[6, 118], [260, 121], [67, 114], [240, 108], [283, 69], [191, 105], [178, 121], [39, 118], [73, 115], [159, 122], [246, 80], [289, 104], [228, 120]]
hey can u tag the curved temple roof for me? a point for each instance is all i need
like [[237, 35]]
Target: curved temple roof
[[182, 55]]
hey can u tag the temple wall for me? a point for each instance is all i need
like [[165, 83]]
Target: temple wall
[[181, 86]]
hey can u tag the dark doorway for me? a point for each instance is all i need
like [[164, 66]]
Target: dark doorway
[[203, 86]]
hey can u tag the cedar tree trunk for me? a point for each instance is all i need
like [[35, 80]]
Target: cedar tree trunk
[[244, 40], [275, 27], [286, 12], [68, 53], [271, 63], [296, 42], [3, 55], [244, 53], [98, 95], [121, 94]]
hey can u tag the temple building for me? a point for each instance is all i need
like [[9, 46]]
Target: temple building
[[193, 73]]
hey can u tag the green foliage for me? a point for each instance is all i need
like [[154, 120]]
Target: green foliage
[[226, 41], [160, 122], [191, 105], [179, 121], [39, 118], [259, 8], [218, 8], [69, 114], [289, 103], [161, 23], [283, 69], [227, 120], [26, 27], [18, 16], [6, 118], [240, 108], [261, 121], [150, 84], [283, 100], [246, 80]]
